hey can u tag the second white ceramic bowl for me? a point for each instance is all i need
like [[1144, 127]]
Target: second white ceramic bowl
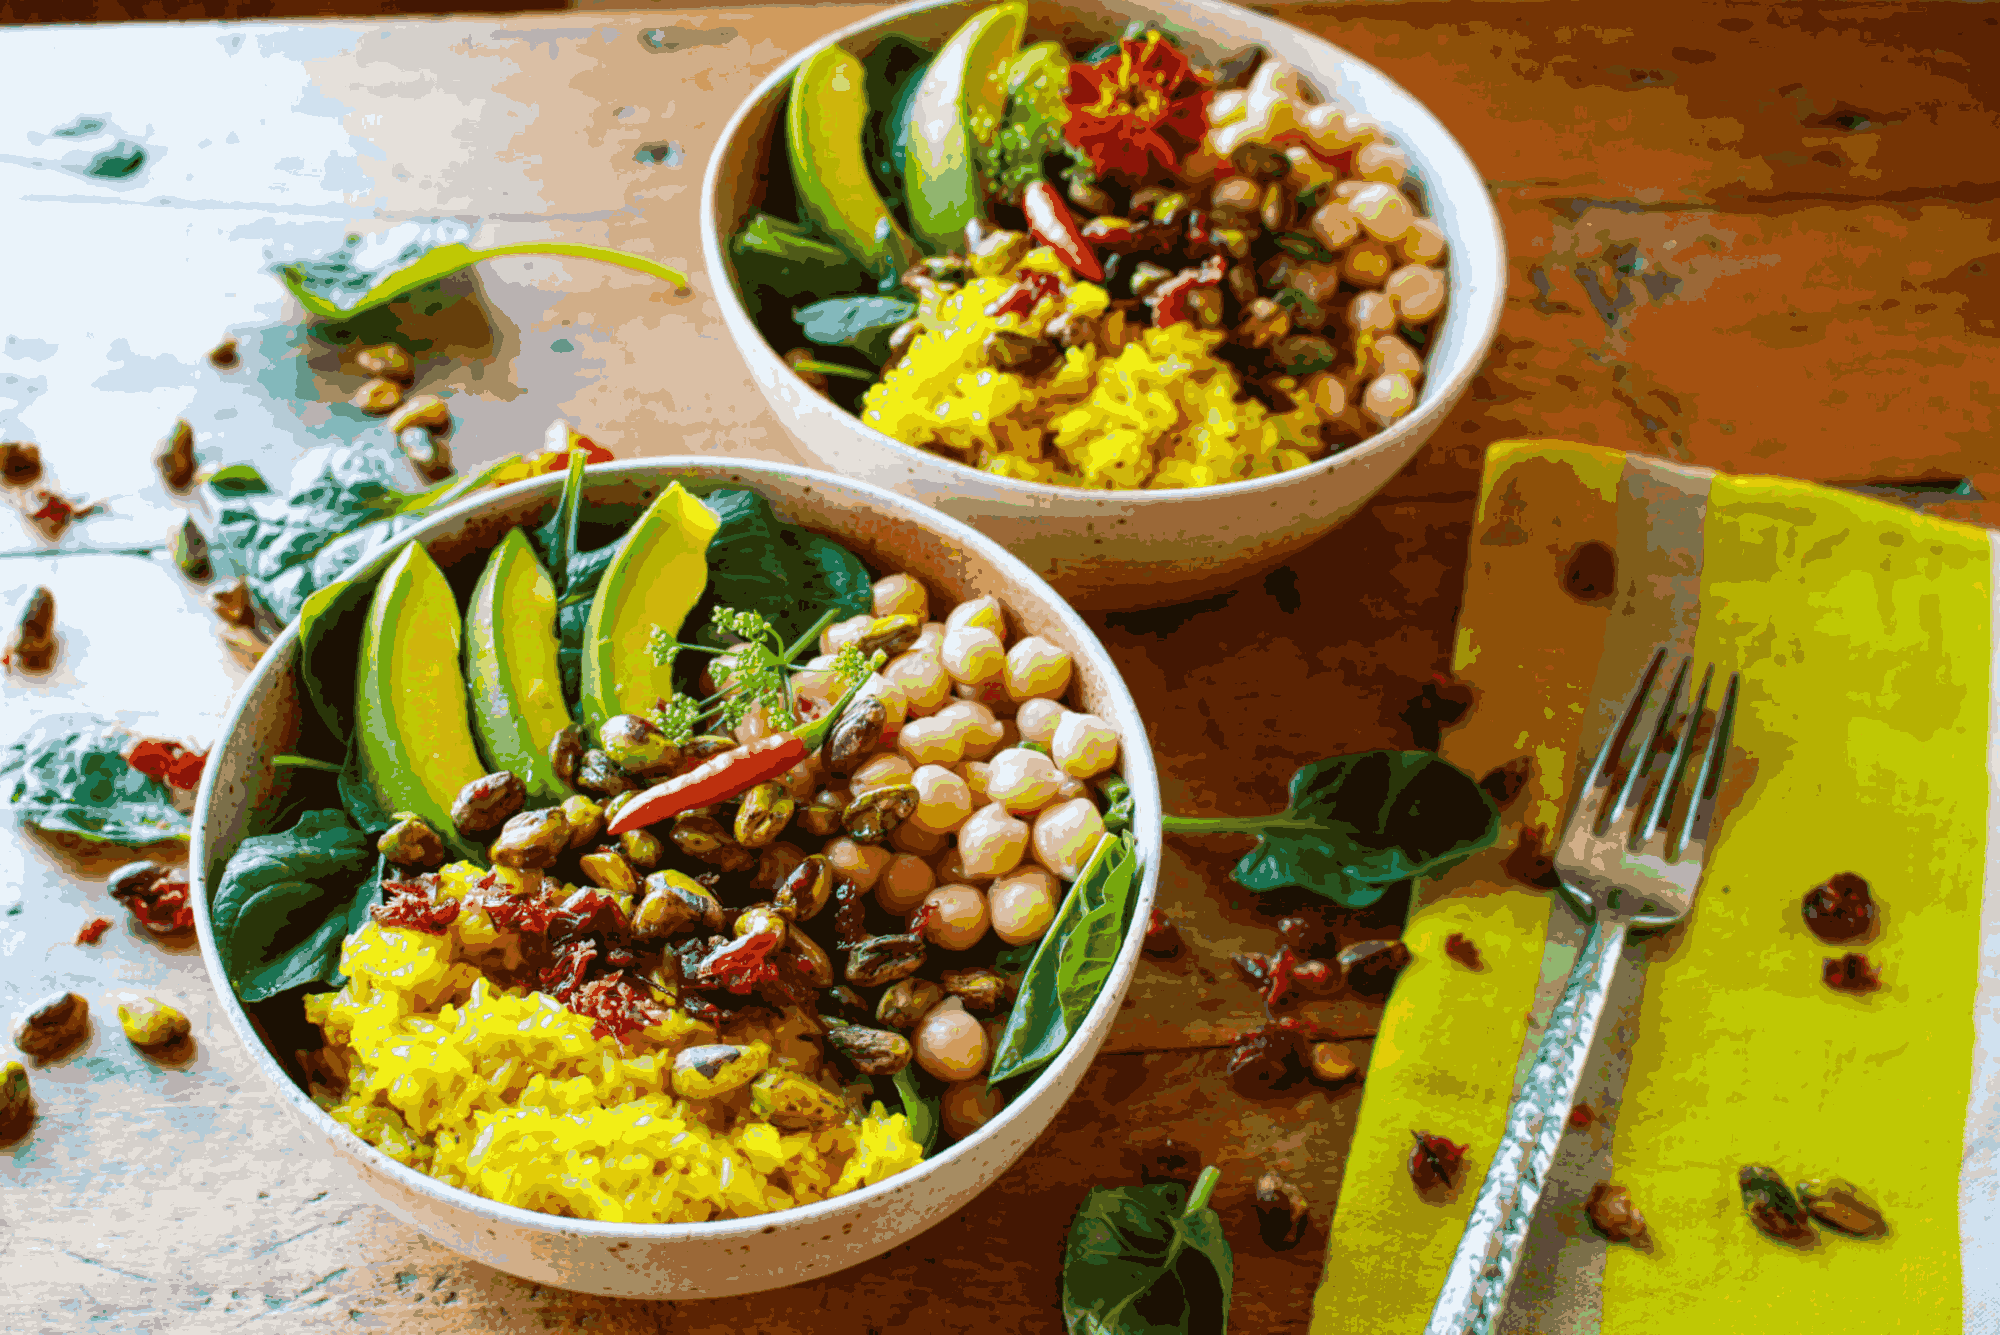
[[728, 1256], [1117, 549]]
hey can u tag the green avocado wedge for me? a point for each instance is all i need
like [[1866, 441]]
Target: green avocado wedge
[[652, 584], [826, 118], [410, 707], [961, 99], [510, 667]]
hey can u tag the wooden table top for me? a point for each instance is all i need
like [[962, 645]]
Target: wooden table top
[[1759, 240]]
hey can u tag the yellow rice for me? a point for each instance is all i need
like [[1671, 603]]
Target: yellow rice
[[504, 1092], [1158, 410]]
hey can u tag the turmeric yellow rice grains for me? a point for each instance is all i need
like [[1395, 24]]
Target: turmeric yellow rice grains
[[1138, 408], [504, 1092]]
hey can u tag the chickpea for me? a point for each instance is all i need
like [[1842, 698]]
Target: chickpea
[[905, 881], [969, 1105], [1424, 243], [860, 864], [1366, 263], [975, 725], [957, 917], [1388, 397], [1383, 211], [843, 633], [973, 654], [910, 838], [991, 697], [931, 638], [1038, 718], [950, 868], [978, 776], [1037, 668], [755, 727], [931, 741], [885, 767], [919, 674], [895, 704], [803, 779], [1418, 291], [1072, 788], [1084, 746], [1393, 356], [1382, 162], [1022, 904], [1066, 835], [943, 800], [992, 842], [979, 612], [1023, 781], [1327, 394], [949, 1042], [901, 595], [1334, 225], [1372, 313], [1226, 107]]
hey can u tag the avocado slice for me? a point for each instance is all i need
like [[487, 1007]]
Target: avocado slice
[[826, 120], [962, 97], [510, 667], [652, 584], [410, 707]]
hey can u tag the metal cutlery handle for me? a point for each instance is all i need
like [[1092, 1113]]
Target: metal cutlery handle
[[1475, 1288]]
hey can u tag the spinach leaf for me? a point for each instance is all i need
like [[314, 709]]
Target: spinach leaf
[[555, 540], [357, 795], [789, 260], [1148, 1261], [788, 575], [67, 774], [861, 323], [276, 541], [1071, 963], [1358, 824], [925, 1118], [282, 907], [365, 273]]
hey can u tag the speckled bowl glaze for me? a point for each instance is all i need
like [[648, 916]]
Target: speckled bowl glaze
[[716, 1259], [1123, 549]]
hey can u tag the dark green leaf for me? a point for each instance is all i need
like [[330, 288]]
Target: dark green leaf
[[925, 1119], [358, 795], [787, 259], [68, 774], [237, 480], [895, 65], [329, 645], [282, 907], [562, 526], [787, 575], [1139, 1261], [1071, 963], [1116, 797], [861, 323]]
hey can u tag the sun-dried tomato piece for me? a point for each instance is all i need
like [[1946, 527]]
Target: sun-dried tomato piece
[[157, 896], [1580, 1116], [414, 905], [93, 931], [1435, 1161], [169, 762], [1851, 973], [1459, 946]]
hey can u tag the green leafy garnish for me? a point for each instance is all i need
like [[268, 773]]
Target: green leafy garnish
[[1358, 824], [925, 1118], [756, 671], [789, 260], [1148, 1261], [68, 775], [861, 323], [364, 274], [787, 575], [1031, 129], [890, 74], [1071, 963], [286, 901]]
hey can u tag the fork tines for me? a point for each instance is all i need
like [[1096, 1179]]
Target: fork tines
[[1672, 731]]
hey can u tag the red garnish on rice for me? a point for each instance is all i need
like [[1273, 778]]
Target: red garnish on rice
[[1142, 104], [414, 905]]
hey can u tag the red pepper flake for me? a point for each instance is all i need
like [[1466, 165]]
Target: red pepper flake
[[1026, 293], [1460, 947], [1435, 1161], [1146, 103], [620, 1004], [1282, 965], [556, 459], [414, 905], [529, 913], [1170, 299], [168, 762], [93, 931], [1851, 973], [743, 963], [1580, 1116]]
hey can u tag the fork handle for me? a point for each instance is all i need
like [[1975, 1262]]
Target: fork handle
[[1482, 1270]]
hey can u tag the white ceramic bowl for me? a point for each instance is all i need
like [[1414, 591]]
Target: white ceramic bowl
[[734, 1256], [1111, 549]]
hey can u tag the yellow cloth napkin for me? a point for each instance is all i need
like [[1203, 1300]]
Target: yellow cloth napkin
[[1864, 633]]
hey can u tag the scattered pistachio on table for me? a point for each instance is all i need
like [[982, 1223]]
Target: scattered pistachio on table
[[1772, 1207], [52, 1026], [20, 463], [1612, 1213], [175, 459], [151, 1023], [15, 1095], [425, 412], [189, 547], [388, 362], [1282, 1212], [223, 356], [429, 454], [378, 397], [1841, 1205], [231, 603], [32, 647], [1331, 1063]]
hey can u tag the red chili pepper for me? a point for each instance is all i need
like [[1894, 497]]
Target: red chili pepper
[[1170, 299], [1108, 232], [730, 774], [1050, 223]]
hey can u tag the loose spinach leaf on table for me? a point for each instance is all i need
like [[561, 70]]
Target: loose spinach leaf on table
[[1148, 1261], [790, 576], [861, 323], [68, 774], [922, 1110], [412, 256], [1072, 962], [286, 900], [1358, 824]]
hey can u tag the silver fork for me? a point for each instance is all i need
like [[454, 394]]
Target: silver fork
[[1633, 880]]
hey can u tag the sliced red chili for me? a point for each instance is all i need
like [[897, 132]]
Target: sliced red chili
[[1050, 222], [1027, 293]]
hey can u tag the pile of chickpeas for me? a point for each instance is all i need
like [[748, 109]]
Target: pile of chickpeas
[[1004, 814]]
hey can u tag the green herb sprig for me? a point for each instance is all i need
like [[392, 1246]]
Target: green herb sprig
[[754, 672]]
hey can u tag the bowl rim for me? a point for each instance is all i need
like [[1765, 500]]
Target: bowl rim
[[1484, 301], [667, 468]]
